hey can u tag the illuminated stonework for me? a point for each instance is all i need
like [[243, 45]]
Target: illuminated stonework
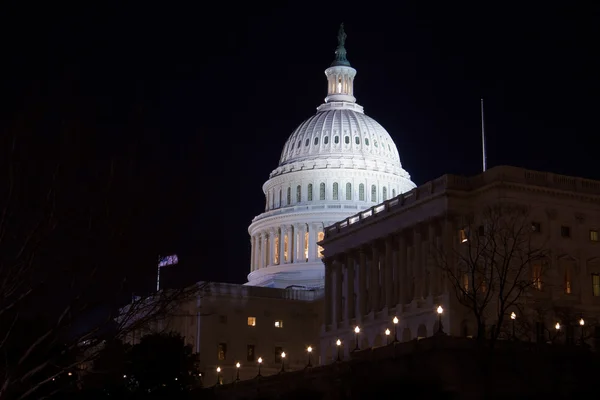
[[336, 163]]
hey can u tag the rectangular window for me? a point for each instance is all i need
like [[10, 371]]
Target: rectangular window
[[596, 285], [250, 352], [251, 321], [536, 227], [594, 235], [568, 280], [278, 351], [536, 276], [222, 351], [279, 324], [565, 231]]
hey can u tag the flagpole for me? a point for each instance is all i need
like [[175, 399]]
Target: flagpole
[[483, 138]]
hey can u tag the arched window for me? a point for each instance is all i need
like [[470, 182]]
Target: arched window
[[316, 141], [384, 193], [322, 191], [289, 196], [366, 141], [326, 139], [356, 140], [374, 193], [336, 139], [348, 191], [307, 142], [393, 192], [298, 146], [361, 192], [335, 191], [347, 139], [298, 194], [374, 142], [310, 192], [280, 199], [273, 199]]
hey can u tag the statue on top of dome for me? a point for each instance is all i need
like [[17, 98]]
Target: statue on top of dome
[[341, 36]]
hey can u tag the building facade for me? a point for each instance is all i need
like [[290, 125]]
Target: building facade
[[336, 163], [384, 262]]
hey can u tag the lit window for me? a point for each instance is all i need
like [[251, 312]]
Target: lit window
[[310, 192], [348, 191], [320, 236], [536, 272], [222, 351], [536, 227], [565, 231], [306, 246], [251, 321], [361, 192], [373, 193], [356, 140], [285, 248], [568, 280], [277, 248], [335, 190], [596, 285], [384, 193], [347, 139], [593, 235], [298, 194], [322, 191], [463, 236], [279, 324]]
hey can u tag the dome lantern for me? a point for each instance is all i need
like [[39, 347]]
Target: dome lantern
[[340, 75]]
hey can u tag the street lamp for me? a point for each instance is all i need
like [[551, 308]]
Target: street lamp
[[309, 350], [557, 326], [338, 343], [395, 321], [356, 332], [581, 324], [237, 373], [513, 316], [440, 310], [218, 375], [259, 364], [283, 361], [387, 336]]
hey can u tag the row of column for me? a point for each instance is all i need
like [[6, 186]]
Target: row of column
[[341, 84], [294, 243], [388, 271]]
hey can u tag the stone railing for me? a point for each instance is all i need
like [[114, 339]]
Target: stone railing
[[447, 182], [309, 207], [230, 289]]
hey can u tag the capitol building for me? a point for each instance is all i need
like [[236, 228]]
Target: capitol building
[[335, 164]]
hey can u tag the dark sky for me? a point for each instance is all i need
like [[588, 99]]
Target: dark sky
[[199, 101]]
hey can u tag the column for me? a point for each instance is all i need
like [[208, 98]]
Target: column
[[272, 246], [312, 242], [252, 252], [291, 232], [362, 282], [388, 272], [281, 245], [403, 273], [264, 251], [338, 290], [328, 293], [350, 305], [374, 284], [418, 263], [297, 243]]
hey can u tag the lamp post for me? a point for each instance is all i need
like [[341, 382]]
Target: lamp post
[[218, 375], [338, 343], [356, 332], [395, 321], [237, 372], [387, 336], [582, 324], [309, 351], [440, 310], [513, 316], [259, 364], [283, 361], [557, 327]]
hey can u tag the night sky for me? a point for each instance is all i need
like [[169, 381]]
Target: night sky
[[195, 105]]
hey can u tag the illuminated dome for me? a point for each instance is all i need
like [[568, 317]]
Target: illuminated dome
[[336, 163]]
